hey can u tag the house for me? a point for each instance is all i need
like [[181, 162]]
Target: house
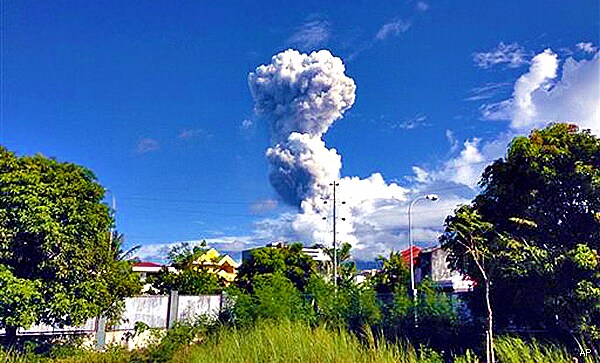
[[145, 269], [213, 262], [317, 254], [363, 276], [432, 264]]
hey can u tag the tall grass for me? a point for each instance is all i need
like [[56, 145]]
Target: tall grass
[[286, 341], [297, 341], [80, 356], [515, 350]]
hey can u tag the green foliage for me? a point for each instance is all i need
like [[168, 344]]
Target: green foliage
[[285, 341], [176, 339], [183, 255], [543, 199], [117, 241], [187, 282], [276, 297], [515, 350], [346, 268], [328, 308], [393, 275], [289, 261], [352, 306], [189, 279], [19, 301], [442, 319], [273, 297], [54, 238]]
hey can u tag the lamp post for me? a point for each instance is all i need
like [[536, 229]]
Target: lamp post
[[433, 198]]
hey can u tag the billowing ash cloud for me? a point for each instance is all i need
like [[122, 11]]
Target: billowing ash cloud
[[302, 95]]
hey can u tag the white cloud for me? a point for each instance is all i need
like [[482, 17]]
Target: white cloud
[[416, 121], [393, 28], [192, 134], [263, 206], [587, 47], [160, 251], [310, 35], [464, 169], [513, 55], [246, 124], [540, 98], [422, 6], [376, 211], [454, 144], [146, 145], [487, 91]]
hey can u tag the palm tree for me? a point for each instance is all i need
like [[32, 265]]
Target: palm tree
[[116, 246]]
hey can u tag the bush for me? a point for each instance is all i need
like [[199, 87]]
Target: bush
[[352, 306], [443, 321], [274, 297]]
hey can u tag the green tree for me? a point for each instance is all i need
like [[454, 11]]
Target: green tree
[[187, 282], [56, 260], [350, 305], [189, 278], [393, 275], [184, 254], [471, 241], [290, 261], [20, 299], [543, 198], [345, 267], [117, 241]]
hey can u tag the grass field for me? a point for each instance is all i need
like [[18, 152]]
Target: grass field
[[297, 342], [284, 341]]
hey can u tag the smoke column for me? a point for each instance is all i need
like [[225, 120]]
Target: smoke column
[[301, 96]]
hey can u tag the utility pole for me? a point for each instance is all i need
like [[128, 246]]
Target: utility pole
[[335, 275], [334, 184], [114, 211]]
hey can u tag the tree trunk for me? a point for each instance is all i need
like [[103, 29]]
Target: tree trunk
[[11, 335], [490, 332]]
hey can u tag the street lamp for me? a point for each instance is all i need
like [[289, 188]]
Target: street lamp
[[433, 198]]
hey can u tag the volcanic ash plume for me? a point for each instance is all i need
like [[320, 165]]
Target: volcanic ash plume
[[301, 95]]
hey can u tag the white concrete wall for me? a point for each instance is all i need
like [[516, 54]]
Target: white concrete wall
[[191, 307], [151, 310]]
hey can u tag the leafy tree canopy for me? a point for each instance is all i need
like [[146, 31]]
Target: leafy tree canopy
[[56, 261], [290, 261], [394, 274], [189, 279], [542, 206]]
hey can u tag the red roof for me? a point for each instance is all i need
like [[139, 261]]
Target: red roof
[[146, 264], [416, 252]]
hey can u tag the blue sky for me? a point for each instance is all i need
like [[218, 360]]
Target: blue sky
[[154, 98]]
